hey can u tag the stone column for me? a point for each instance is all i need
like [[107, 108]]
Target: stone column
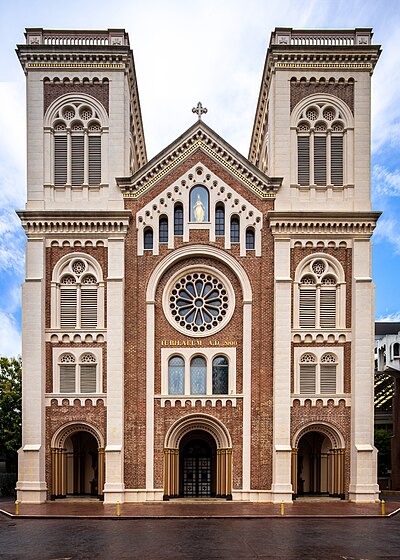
[[295, 452], [282, 452], [114, 485], [100, 472], [31, 485], [363, 454]]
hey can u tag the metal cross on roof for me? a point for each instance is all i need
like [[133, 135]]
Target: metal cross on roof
[[200, 110]]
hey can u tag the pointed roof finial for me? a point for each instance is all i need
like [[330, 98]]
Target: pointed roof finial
[[200, 110]]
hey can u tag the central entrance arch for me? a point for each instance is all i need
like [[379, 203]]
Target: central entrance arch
[[198, 458], [197, 461]]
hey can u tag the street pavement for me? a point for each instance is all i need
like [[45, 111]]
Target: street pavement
[[198, 539]]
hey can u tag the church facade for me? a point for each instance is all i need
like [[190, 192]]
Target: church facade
[[200, 324]]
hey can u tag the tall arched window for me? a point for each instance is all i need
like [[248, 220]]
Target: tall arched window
[[220, 219], [77, 293], [77, 133], [198, 376], [235, 229], [78, 299], [163, 229], [199, 204], [220, 376], [148, 238], [178, 219], [176, 376], [321, 299], [320, 132], [250, 238]]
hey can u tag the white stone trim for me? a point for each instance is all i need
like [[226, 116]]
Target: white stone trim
[[198, 422], [62, 433], [219, 192], [332, 432]]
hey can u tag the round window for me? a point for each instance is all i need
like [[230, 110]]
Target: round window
[[199, 302]]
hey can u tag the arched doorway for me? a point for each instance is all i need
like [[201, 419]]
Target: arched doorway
[[81, 458], [198, 458], [77, 467], [318, 463], [197, 461]]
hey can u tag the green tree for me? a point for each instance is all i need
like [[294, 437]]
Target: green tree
[[10, 409], [383, 440]]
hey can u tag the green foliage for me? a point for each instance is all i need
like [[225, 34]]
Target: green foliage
[[10, 407], [383, 440]]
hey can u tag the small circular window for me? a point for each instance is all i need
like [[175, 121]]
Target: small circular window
[[198, 302]]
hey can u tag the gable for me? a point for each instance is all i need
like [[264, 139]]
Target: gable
[[199, 137]]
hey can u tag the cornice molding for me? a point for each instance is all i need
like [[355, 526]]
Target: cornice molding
[[46, 223], [344, 224], [199, 137]]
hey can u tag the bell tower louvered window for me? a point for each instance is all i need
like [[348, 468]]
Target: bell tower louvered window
[[320, 146], [318, 375], [77, 145], [78, 373], [78, 295], [320, 296]]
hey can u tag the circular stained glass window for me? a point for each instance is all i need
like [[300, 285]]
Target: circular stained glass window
[[198, 303]]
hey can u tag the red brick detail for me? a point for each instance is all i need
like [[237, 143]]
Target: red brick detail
[[54, 90]]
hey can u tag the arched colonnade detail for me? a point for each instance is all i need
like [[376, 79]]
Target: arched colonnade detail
[[66, 465], [327, 464]]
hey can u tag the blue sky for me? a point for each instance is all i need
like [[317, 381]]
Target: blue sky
[[191, 50]]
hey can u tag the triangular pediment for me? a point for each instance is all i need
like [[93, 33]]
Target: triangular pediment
[[199, 137]]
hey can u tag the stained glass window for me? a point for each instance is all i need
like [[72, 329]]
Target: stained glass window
[[220, 375], [198, 375], [176, 376]]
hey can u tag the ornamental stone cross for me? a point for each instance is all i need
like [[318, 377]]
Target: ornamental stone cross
[[200, 110]]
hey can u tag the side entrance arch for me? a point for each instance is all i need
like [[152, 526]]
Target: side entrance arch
[[77, 462], [318, 461], [198, 459]]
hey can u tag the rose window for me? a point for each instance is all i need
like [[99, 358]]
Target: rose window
[[199, 303]]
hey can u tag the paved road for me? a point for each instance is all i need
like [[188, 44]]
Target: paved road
[[288, 539]]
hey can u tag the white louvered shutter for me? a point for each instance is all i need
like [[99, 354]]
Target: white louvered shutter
[[307, 379], [88, 378], [327, 315], [88, 307], [94, 160], [78, 159], [307, 307], [60, 160], [303, 160], [328, 379], [320, 160], [337, 160], [67, 378], [68, 307]]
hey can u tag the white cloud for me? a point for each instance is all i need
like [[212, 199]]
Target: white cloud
[[391, 318], [10, 337], [385, 182], [388, 229]]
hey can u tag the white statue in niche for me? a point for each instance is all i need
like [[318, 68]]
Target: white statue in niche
[[198, 210]]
